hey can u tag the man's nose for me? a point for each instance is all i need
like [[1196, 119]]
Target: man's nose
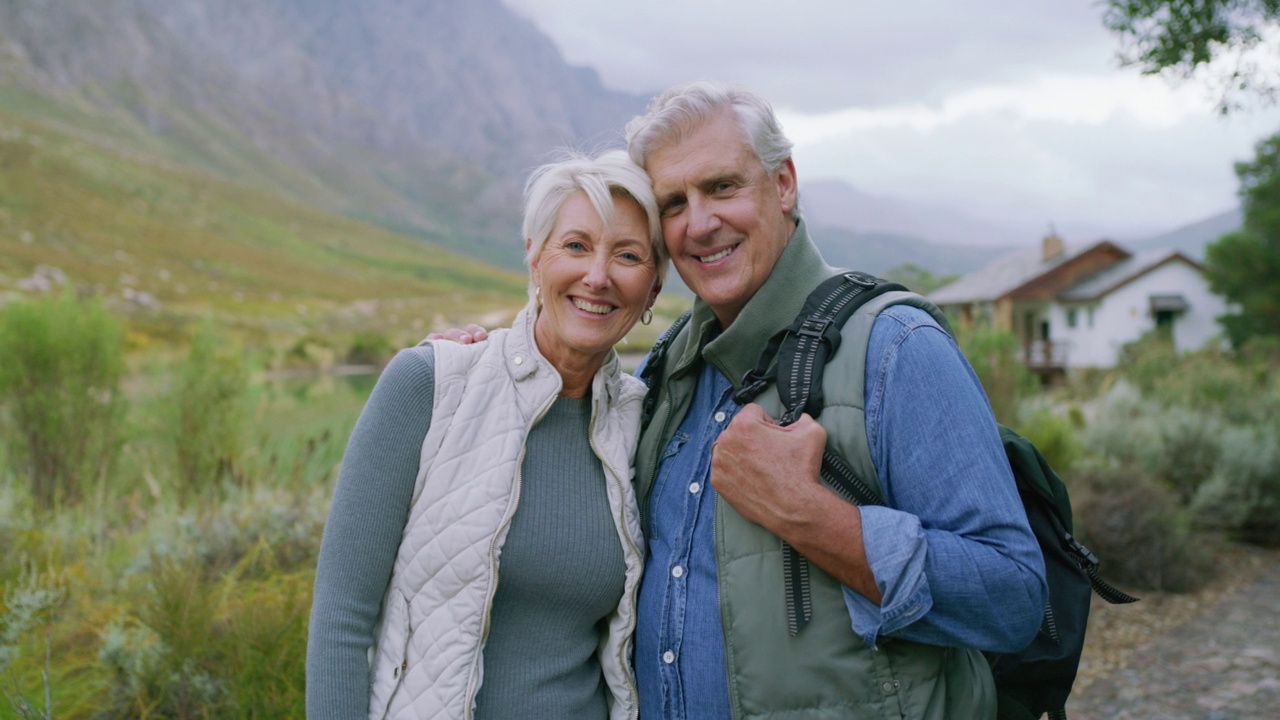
[[703, 219]]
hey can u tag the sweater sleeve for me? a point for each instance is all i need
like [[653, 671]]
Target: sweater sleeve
[[363, 533]]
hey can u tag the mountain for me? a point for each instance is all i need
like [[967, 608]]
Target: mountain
[[166, 244], [836, 203], [877, 253], [420, 116], [1192, 239]]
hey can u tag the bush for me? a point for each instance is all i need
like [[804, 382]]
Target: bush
[[1243, 496], [1124, 428], [994, 357], [60, 385], [202, 646], [1054, 435], [208, 404], [29, 606], [1135, 525], [370, 347], [1190, 445]]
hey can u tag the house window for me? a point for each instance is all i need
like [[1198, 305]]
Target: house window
[[1071, 317]]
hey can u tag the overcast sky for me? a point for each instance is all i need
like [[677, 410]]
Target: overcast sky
[[1014, 111]]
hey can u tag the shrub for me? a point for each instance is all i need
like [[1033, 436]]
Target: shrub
[[1124, 428], [1135, 525], [1190, 444], [29, 605], [994, 357], [370, 347], [60, 384], [1054, 435], [208, 404], [199, 645], [1243, 495]]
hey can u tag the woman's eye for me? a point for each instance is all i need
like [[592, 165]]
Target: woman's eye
[[575, 245], [632, 257]]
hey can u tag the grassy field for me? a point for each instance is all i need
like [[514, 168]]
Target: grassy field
[[165, 244]]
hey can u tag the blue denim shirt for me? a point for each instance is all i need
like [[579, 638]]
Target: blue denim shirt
[[950, 553]]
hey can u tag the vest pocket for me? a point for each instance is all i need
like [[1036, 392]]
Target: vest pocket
[[391, 661]]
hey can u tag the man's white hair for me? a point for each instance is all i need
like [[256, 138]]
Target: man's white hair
[[682, 109]]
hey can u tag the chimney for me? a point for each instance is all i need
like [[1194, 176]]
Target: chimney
[[1052, 247]]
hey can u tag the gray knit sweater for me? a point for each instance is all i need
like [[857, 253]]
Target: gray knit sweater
[[560, 570]]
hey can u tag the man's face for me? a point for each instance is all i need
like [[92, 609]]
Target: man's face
[[725, 220]]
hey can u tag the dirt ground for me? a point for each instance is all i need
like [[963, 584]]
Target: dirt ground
[[1210, 655]]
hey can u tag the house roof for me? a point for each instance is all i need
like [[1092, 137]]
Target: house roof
[[1081, 272], [1122, 273], [1017, 270], [996, 279]]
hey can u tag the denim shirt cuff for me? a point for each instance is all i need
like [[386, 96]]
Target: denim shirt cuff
[[895, 546]]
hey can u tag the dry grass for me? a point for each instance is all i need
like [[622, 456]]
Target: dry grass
[[1117, 631]]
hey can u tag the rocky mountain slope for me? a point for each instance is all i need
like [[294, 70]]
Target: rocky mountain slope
[[421, 115]]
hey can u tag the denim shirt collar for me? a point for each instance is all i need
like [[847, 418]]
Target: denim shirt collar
[[799, 269]]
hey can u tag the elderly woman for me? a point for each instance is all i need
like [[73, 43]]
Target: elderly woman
[[483, 549]]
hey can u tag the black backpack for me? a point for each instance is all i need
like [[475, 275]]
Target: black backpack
[[1037, 679]]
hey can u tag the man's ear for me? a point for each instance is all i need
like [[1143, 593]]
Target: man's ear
[[785, 177]]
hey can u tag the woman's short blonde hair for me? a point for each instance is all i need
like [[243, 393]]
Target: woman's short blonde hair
[[602, 178]]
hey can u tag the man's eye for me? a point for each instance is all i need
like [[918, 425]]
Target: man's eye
[[672, 208], [725, 186]]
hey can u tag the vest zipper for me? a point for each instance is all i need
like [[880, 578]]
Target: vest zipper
[[728, 673], [472, 687], [664, 438], [635, 552]]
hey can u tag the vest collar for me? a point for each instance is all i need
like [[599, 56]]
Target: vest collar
[[733, 352], [524, 361]]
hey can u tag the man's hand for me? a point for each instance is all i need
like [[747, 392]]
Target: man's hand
[[770, 475], [463, 336], [767, 472]]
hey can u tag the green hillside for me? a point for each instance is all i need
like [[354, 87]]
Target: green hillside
[[166, 244]]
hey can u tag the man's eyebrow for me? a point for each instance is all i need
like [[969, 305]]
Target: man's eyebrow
[[667, 198], [714, 180]]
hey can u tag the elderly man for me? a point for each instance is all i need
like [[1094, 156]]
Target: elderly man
[[904, 595], [907, 592]]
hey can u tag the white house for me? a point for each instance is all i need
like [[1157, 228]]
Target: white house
[[1076, 309]]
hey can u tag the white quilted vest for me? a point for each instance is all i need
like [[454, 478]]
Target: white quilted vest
[[428, 659]]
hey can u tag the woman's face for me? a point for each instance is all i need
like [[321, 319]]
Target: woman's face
[[595, 280]]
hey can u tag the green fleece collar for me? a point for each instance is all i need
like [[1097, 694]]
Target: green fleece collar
[[798, 271]]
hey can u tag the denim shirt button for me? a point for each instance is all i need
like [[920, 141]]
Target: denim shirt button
[[668, 657], [694, 488], [677, 572], [720, 416]]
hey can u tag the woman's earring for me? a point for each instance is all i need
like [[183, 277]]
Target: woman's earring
[[537, 296], [646, 317]]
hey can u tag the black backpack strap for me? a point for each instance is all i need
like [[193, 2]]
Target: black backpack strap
[[795, 358], [1089, 563], [655, 363]]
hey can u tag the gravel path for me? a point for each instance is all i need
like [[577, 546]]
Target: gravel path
[[1218, 659]]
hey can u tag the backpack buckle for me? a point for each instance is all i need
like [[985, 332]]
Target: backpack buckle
[[860, 279], [814, 327], [1086, 556]]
